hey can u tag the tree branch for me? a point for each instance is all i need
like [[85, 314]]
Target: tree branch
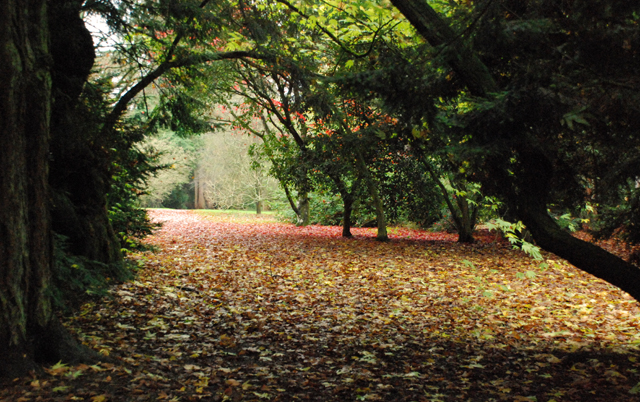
[[332, 36], [165, 66], [437, 32]]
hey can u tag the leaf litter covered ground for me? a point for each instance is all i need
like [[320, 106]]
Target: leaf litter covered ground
[[246, 309]]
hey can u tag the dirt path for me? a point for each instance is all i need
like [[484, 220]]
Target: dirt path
[[237, 308]]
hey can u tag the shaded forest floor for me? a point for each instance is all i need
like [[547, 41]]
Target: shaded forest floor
[[244, 309]]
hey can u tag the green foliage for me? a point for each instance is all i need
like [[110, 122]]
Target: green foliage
[[177, 157], [445, 223], [181, 197], [407, 191], [75, 278], [129, 174], [620, 216], [568, 222], [513, 233], [358, 73], [327, 209], [182, 115], [541, 55]]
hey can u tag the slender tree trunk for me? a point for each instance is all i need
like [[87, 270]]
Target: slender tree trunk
[[348, 201], [380, 215], [461, 222], [381, 219], [196, 198], [303, 209], [199, 192], [299, 207], [346, 216], [292, 202], [467, 220], [29, 331], [259, 199], [304, 187]]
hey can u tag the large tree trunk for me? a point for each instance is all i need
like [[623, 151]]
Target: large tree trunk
[[437, 32], [29, 331], [586, 256], [530, 207], [528, 195], [80, 168]]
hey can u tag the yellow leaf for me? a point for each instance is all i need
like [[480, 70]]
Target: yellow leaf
[[553, 359], [57, 368]]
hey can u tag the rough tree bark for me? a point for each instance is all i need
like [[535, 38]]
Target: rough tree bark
[[529, 195], [80, 171], [29, 331]]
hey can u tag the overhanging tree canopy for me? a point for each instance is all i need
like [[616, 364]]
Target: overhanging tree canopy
[[547, 108]]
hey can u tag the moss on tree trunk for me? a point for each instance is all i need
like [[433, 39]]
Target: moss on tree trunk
[[29, 331]]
